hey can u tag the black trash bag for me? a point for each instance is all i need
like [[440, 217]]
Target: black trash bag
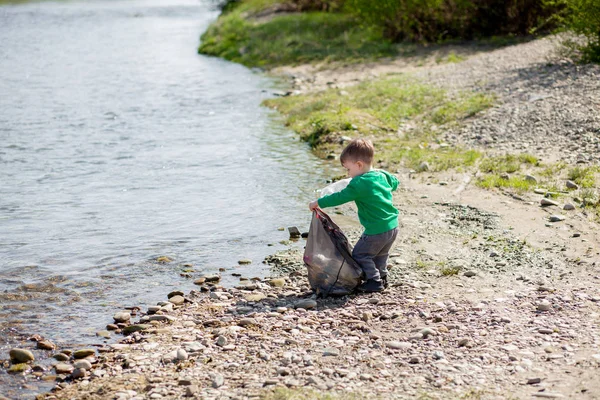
[[328, 257]]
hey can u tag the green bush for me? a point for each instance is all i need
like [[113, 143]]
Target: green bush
[[584, 19], [435, 20]]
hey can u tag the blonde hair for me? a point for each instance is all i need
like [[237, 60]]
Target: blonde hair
[[358, 150]]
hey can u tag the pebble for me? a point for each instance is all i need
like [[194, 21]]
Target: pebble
[[222, 341], [572, 185], [78, 373], [470, 274], [544, 305], [463, 342], [568, 207], [18, 356], [191, 391], [556, 218], [62, 368], [84, 364], [306, 304], [61, 357], [531, 178], [218, 381], [245, 261], [177, 300], [182, 355], [104, 334], [333, 352], [122, 316], [533, 381], [548, 202], [45, 345]]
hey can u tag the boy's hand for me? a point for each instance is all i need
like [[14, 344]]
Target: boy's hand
[[313, 205]]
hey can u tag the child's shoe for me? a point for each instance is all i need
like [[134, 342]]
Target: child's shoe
[[371, 286], [384, 282]]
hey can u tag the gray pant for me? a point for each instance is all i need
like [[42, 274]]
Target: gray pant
[[371, 253]]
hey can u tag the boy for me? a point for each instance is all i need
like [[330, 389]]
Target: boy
[[371, 190]]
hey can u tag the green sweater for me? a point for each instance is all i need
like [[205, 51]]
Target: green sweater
[[372, 193]]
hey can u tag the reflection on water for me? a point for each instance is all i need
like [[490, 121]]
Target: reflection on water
[[120, 144]]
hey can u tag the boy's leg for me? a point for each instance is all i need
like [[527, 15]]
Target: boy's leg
[[381, 258], [368, 248], [364, 253]]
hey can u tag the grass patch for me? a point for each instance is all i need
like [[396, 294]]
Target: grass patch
[[508, 163], [306, 394], [291, 39], [519, 184], [583, 176], [401, 115], [451, 58], [449, 271]]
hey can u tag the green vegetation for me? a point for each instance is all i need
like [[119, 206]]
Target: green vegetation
[[583, 18], [246, 36], [435, 20], [381, 109], [449, 271], [306, 394], [508, 163], [583, 176], [519, 184]]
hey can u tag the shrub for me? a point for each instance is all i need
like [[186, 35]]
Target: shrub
[[434, 20], [583, 17]]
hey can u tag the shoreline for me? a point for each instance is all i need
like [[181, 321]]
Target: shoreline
[[486, 301]]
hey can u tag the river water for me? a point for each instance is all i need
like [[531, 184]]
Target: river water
[[120, 144]]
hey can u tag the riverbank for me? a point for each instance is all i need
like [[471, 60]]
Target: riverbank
[[481, 306], [494, 292]]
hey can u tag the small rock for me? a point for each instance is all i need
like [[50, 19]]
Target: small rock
[[568, 207], [191, 391], [175, 293], [556, 218], [85, 364], [62, 368], [470, 274], [164, 259], [104, 334], [245, 261], [531, 178], [18, 368], [78, 373], [424, 166], [572, 185], [533, 381], [83, 353], [294, 232], [254, 297], [438, 355], [222, 341], [45, 345], [19, 356], [182, 355], [134, 328], [246, 322], [544, 306], [463, 342], [177, 300], [333, 352], [122, 316], [306, 304], [218, 381], [277, 282], [61, 357], [548, 202], [414, 360], [200, 281]]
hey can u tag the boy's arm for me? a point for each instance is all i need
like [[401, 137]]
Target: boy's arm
[[349, 193], [392, 180]]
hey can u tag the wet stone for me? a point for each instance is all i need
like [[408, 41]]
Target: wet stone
[[21, 356], [177, 300], [61, 357], [45, 345], [62, 368], [84, 364], [306, 304], [122, 316]]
